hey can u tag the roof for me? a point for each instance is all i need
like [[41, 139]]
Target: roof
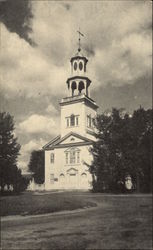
[[52, 142], [56, 142]]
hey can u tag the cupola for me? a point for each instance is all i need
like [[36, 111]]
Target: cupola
[[78, 83]]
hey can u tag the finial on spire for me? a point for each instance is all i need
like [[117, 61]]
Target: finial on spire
[[80, 34]]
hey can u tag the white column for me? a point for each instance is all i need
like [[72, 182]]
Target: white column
[[86, 88], [77, 86], [70, 90]]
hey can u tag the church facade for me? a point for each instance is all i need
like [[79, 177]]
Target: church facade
[[67, 154]]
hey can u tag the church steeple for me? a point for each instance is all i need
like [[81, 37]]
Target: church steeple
[[78, 109], [78, 83], [79, 43]]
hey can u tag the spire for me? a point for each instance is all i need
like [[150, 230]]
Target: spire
[[79, 43]]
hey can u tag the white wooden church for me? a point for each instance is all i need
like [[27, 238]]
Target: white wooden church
[[66, 155]]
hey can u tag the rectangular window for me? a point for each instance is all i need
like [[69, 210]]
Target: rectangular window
[[78, 157], [89, 121], [52, 158], [72, 157], [67, 121], [93, 122], [77, 122], [52, 178], [72, 118], [66, 158]]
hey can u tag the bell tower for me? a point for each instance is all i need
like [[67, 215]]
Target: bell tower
[[78, 109], [78, 82]]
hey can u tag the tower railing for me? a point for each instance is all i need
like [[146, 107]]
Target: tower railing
[[76, 97]]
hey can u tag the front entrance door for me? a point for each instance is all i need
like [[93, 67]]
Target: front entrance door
[[62, 181], [73, 180]]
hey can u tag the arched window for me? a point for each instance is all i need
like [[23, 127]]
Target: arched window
[[75, 66], [72, 156], [73, 86], [81, 86], [80, 66]]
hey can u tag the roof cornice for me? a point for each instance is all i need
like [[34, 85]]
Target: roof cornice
[[52, 142], [79, 98], [78, 77], [78, 57], [69, 145]]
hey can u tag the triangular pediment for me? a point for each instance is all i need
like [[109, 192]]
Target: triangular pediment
[[70, 139], [73, 138]]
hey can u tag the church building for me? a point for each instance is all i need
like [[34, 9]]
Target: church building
[[66, 154]]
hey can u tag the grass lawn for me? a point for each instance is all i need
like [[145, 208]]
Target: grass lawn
[[117, 222], [30, 203]]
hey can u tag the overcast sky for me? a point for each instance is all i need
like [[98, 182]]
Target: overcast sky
[[38, 39]]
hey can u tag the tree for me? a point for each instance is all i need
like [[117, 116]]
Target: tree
[[20, 183], [9, 149], [142, 134], [36, 165], [123, 148]]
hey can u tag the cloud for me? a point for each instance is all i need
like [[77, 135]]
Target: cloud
[[51, 110], [54, 30], [128, 96], [17, 16], [117, 39], [33, 145], [25, 70], [22, 165], [118, 43], [26, 150], [35, 124], [124, 62]]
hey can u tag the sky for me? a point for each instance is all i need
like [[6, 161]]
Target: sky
[[37, 40]]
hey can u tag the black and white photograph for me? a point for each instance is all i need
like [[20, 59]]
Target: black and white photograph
[[76, 125]]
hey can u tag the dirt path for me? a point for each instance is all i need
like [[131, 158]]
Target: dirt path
[[103, 227]]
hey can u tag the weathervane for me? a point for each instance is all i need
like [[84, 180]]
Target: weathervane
[[80, 34]]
